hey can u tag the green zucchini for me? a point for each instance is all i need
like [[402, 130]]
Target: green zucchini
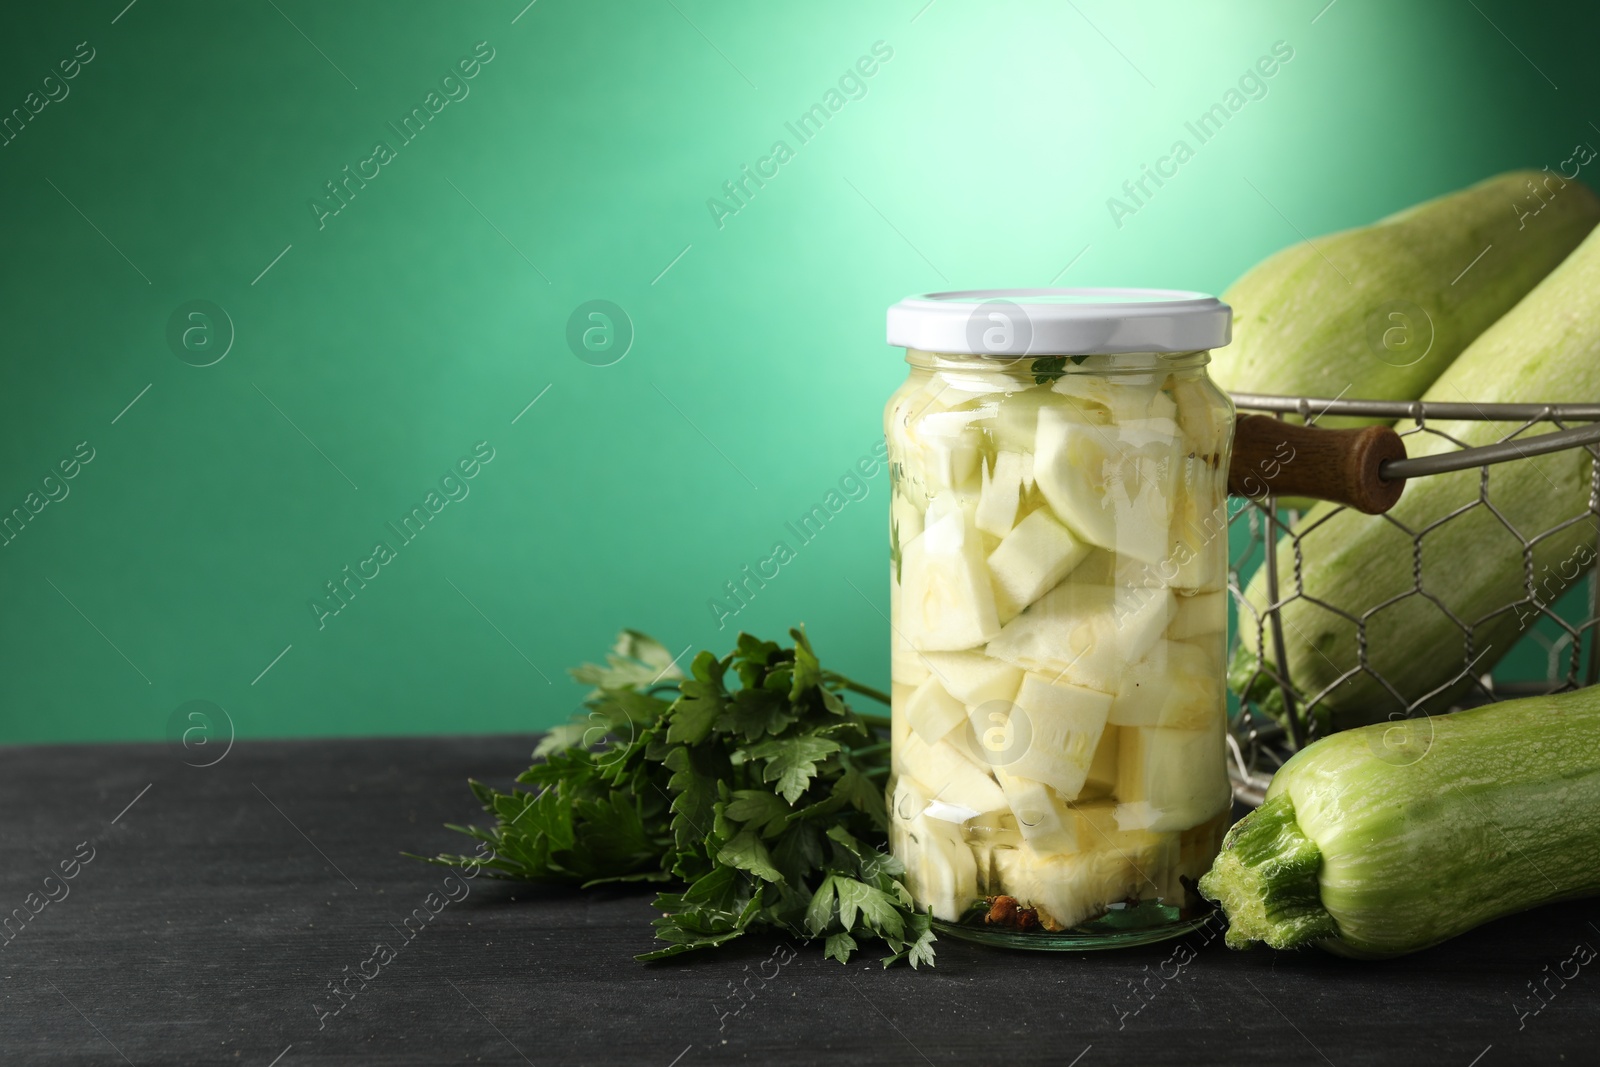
[[1379, 311], [1546, 349], [1394, 837]]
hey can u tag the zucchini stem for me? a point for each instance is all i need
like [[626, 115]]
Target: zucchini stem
[[1265, 879]]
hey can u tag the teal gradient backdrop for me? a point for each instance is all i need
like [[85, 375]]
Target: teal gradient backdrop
[[375, 348]]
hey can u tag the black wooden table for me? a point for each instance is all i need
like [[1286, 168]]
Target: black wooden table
[[210, 910]]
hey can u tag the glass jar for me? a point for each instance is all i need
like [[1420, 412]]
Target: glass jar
[[1058, 548]]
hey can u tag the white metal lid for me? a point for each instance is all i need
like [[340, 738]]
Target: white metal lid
[[1019, 322]]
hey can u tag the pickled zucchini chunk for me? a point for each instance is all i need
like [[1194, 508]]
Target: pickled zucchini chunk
[[1000, 494], [1030, 560], [905, 519], [1141, 487], [1061, 634], [910, 798], [933, 712], [965, 741], [1070, 466], [1117, 398], [1102, 777], [1144, 433], [1070, 887], [1041, 815], [1170, 779], [1113, 484], [991, 833], [946, 600], [950, 446], [899, 728], [1142, 690], [1085, 634], [941, 871], [1176, 686], [954, 777], [1051, 824], [1199, 615], [1215, 653], [944, 811], [973, 678], [1099, 567], [962, 385], [907, 402], [1140, 614], [1198, 846], [1205, 426], [1014, 427], [907, 666], [1199, 518], [1053, 731]]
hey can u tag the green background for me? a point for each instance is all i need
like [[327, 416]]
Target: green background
[[433, 308]]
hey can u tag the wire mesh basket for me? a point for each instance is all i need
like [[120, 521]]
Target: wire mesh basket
[[1559, 615]]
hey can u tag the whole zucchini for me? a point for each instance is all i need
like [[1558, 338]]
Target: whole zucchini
[[1342, 313], [1394, 837], [1546, 349]]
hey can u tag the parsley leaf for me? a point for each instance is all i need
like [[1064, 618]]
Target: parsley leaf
[[747, 853], [635, 660], [750, 782], [839, 947], [760, 810], [791, 761], [1048, 368]]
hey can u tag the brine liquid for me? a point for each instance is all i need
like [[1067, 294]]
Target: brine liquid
[[1058, 573]]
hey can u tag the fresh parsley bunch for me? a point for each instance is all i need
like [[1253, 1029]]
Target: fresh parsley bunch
[[751, 784]]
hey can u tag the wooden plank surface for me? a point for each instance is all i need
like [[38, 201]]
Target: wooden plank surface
[[218, 907]]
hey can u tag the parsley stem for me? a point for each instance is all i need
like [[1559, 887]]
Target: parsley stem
[[856, 687]]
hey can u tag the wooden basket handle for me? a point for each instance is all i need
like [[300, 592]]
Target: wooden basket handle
[[1273, 456]]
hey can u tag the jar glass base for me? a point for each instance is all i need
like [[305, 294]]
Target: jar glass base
[[1123, 927]]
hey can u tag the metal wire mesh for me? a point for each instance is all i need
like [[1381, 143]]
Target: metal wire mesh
[[1568, 635]]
